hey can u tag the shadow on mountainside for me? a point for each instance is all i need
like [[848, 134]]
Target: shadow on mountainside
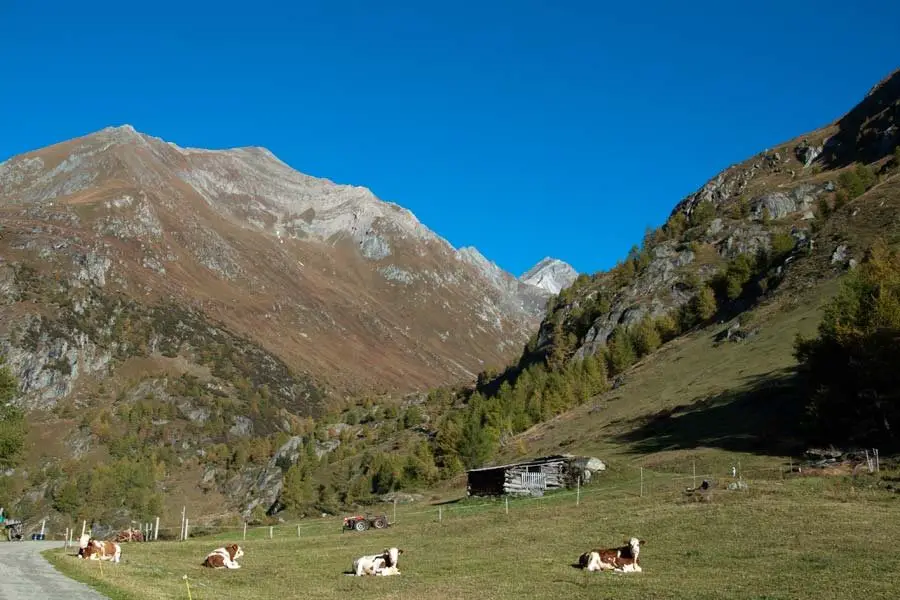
[[868, 131], [762, 416]]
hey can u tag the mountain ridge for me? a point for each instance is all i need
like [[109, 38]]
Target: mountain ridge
[[136, 212]]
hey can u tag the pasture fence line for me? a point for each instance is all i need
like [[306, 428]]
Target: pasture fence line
[[634, 482]]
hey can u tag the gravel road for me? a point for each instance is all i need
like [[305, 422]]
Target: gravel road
[[25, 575]]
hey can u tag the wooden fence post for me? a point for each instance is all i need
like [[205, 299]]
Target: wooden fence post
[[67, 538], [298, 530], [877, 461], [507, 503], [578, 491], [642, 482], [440, 514], [83, 526], [395, 509], [156, 530], [245, 531], [185, 528], [271, 532]]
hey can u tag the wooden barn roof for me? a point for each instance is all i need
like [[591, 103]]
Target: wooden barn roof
[[527, 463]]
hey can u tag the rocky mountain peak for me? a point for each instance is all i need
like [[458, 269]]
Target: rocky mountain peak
[[310, 270], [550, 274]]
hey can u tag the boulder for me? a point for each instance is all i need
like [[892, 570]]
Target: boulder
[[589, 463], [840, 255], [807, 154]]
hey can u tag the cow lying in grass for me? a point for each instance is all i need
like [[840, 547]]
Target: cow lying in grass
[[224, 558], [384, 564], [99, 550], [623, 559]]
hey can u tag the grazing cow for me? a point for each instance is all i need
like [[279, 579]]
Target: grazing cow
[[101, 550], [130, 535], [623, 559], [224, 558], [384, 564]]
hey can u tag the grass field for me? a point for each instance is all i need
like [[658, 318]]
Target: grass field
[[807, 537]]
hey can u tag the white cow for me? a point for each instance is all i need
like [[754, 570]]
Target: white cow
[[384, 564]]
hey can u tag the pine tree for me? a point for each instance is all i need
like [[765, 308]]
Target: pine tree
[[296, 490], [621, 351], [646, 337]]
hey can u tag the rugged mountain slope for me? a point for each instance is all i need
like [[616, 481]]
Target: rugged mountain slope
[[768, 215], [327, 278]]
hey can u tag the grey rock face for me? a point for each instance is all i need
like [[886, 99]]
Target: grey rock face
[[394, 273], [92, 268], [374, 247], [807, 154], [50, 367], [242, 427], [653, 293], [781, 204], [748, 239]]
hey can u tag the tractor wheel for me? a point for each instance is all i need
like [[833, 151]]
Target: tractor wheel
[[379, 523], [361, 525]]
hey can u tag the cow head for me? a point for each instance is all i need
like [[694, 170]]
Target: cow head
[[391, 556], [234, 551], [90, 549], [635, 545]]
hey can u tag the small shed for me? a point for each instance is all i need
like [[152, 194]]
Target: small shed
[[530, 478]]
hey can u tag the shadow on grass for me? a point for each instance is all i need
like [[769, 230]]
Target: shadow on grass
[[762, 416]]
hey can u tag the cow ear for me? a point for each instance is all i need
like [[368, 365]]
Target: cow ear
[[400, 550], [642, 542]]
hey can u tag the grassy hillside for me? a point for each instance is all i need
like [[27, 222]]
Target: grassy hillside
[[798, 538], [697, 394]]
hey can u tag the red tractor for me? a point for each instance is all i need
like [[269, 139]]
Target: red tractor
[[363, 522]]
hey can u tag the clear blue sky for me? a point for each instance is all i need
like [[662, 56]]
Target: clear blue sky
[[524, 128]]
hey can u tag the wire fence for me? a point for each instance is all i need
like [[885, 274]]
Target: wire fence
[[634, 483]]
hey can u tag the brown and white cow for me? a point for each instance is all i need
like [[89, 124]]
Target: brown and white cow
[[224, 558], [623, 559], [384, 564], [101, 550]]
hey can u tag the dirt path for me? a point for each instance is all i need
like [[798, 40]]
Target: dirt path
[[25, 575]]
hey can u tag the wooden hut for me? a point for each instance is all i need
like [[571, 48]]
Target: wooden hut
[[533, 477]]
